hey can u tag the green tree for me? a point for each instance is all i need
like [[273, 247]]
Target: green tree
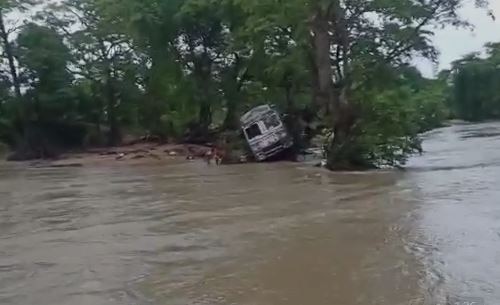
[[475, 85], [7, 7], [102, 54], [8, 28], [350, 42], [153, 26], [177, 69], [363, 45], [44, 59], [49, 105]]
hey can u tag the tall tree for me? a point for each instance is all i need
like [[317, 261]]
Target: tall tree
[[7, 7], [174, 68], [44, 58], [362, 35], [350, 41], [475, 81], [102, 53]]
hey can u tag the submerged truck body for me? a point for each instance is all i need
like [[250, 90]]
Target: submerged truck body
[[265, 132]]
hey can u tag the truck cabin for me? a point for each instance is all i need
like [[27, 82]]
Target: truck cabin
[[265, 132]]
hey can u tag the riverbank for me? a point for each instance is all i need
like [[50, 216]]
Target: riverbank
[[153, 152], [126, 155]]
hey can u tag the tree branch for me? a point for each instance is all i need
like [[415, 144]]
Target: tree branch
[[404, 46]]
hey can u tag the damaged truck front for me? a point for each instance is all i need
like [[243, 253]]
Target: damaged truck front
[[265, 132]]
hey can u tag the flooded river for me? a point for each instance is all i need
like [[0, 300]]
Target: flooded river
[[265, 234]]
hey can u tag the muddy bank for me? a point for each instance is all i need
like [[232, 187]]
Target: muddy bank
[[151, 153], [142, 153]]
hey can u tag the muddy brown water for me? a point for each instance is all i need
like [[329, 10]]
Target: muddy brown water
[[257, 234]]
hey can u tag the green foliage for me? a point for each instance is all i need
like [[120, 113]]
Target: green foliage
[[475, 86], [181, 69], [44, 59], [388, 131], [430, 106], [391, 112], [393, 116]]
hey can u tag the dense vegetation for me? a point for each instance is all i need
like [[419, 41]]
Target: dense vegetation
[[476, 84], [88, 72]]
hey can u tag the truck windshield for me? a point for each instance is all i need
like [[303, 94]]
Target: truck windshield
[[253, 131], [272, 121]]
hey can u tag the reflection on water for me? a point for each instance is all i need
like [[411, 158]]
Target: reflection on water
[[255, 234]]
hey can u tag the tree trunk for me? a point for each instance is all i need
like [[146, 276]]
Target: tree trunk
[[288, 87], [321, 45], [114, 137], [341, 152], [231, 122], [9, 54], [233, 97], [205, 116], [344, 151], [203, 69], [155, 96]]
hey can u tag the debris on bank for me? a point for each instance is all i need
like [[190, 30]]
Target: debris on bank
[[263, 136], [136, 154]]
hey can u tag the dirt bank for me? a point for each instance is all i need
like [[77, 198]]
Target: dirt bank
[[126, 155]]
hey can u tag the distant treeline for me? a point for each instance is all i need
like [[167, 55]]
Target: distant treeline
[[475, 82]]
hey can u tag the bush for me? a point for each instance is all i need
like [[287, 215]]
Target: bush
[[430, 106], [387, 133], [42, 140], [95, 137]]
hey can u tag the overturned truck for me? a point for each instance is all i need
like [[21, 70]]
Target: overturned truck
[[265, 132]]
